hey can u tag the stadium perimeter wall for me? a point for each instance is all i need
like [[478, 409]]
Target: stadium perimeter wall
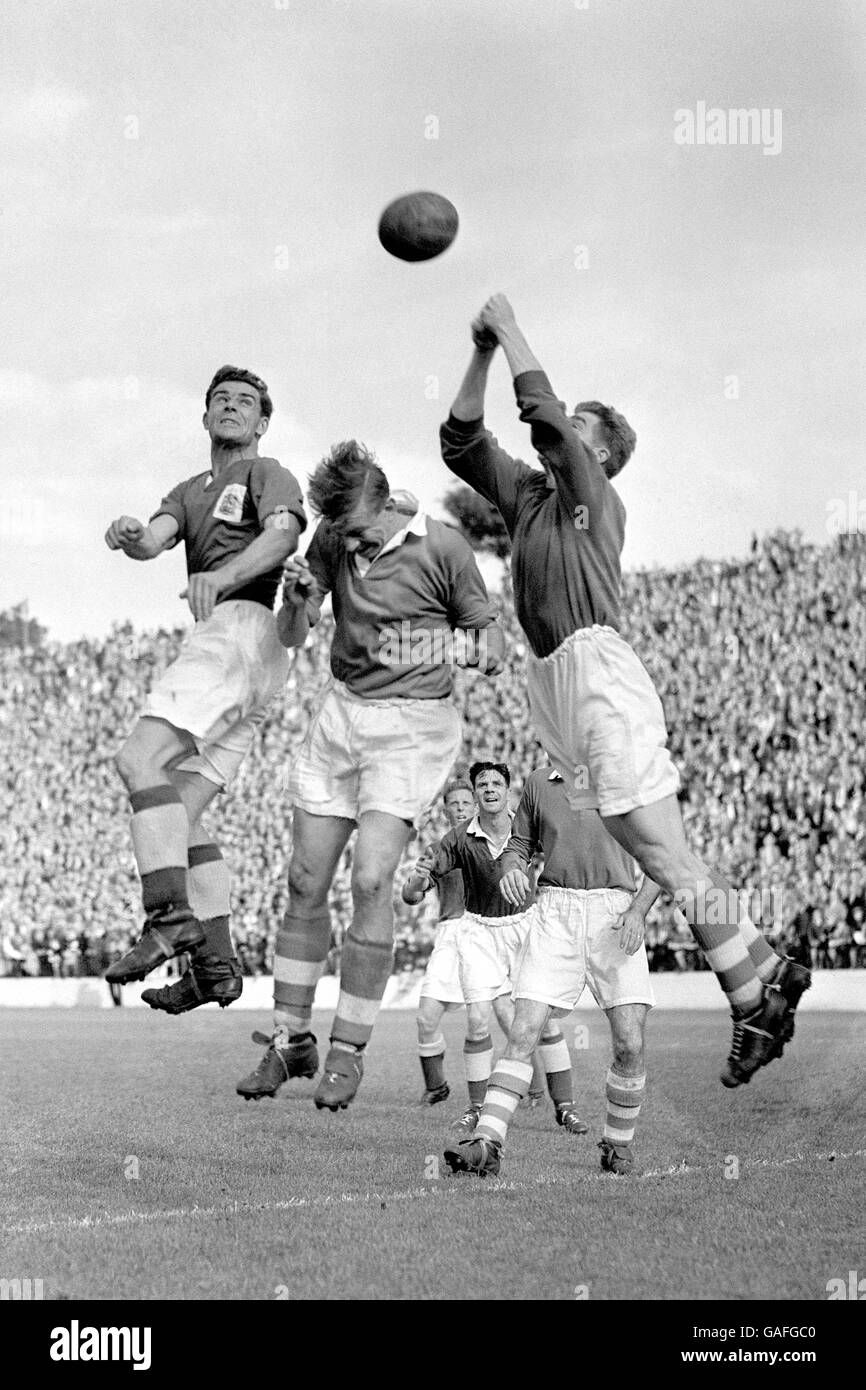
[[831, 989]]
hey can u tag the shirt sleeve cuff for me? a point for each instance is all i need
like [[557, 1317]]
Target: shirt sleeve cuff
[[530, 383], [465, 426], [168, 509]]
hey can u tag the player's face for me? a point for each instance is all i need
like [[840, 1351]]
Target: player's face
[[459, 806], [234, 415], [365, 528], [588, 427], [491, 792]]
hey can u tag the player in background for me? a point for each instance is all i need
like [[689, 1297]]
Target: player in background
[[587, 926], [380, 746], [489, 939], [239, 523], [595, 708], [440, 988]]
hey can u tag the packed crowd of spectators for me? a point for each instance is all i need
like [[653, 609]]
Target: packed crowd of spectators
[[761, 665]]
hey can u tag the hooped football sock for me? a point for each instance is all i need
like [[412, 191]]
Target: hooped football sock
[[478, 1060], [299, 958], [557, 1067], [209, 884], [160, 828], [764, 958], [365, 968], [507, 1087], [624, 1099], [713, 914]]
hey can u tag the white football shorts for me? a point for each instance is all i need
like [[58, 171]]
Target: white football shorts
[[442, 977], [488, 951], [601, 722], [374, 755], [571, 943], [228, 670]]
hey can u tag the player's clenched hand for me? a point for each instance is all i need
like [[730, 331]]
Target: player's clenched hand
[[484, 340], [125, 534], [632, 928], [298, 580], [514, 887], [497, 313], [424, 865], [201, 593]]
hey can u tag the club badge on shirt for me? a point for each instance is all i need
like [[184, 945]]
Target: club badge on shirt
[[230, 506]]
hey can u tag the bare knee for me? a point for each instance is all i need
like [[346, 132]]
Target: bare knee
[[477, 1022], [628, 1046], [144, 757], [136, 767], [370, 884], [308, 886], [428, 1019]]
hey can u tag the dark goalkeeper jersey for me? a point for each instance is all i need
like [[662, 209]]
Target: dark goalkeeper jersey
[[567, 525], [219, 518]]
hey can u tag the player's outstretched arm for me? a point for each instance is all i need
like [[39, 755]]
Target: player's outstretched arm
[[580, 479], [141, 542], [421, 880], [468, 448], [497, 317], [469, 401]]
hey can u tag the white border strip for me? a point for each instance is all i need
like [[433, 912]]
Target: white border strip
[[432, 1188], [843, 990]]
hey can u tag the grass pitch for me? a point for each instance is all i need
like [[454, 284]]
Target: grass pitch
[[134, 1171]]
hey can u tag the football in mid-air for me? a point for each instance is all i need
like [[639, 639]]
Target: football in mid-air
[[418, 226]]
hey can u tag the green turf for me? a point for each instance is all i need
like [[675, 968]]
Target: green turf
[[242, 1200]]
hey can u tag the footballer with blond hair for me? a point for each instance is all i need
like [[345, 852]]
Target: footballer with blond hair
[[380, 746]]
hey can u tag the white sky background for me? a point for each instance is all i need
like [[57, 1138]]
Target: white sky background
[[133, 267]]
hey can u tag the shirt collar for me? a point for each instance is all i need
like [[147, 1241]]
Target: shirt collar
[[415, 526], [555, 776], [474, 828]]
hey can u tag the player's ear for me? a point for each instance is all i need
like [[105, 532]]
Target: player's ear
[[602, 454], [204, 420], [262, 426]]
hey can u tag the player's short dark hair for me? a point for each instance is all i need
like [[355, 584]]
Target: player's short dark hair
[[349, 474], [242, 374], [616, 432], [460, 784], [476, 770]]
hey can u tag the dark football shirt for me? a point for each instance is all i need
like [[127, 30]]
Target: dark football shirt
[[393, 622], [471, 854], [449, 886], [567, 525], [578, 850], [220, 518]]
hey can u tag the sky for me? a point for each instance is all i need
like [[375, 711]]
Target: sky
[[189, 185]]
